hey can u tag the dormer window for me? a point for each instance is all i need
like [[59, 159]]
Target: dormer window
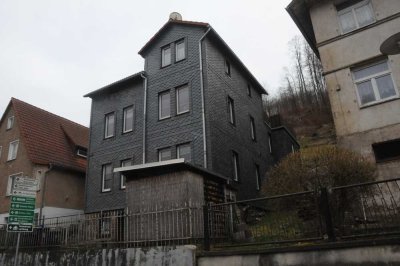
[[355, 14], [166, 56], [10, 122], [82, 152]]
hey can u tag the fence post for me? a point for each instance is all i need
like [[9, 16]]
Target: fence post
[[206, 228], [326, 212]]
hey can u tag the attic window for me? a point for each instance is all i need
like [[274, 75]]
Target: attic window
[[227, 68], [166, 56], [82, 152], [180, 52], [10, 122], [387, 151]]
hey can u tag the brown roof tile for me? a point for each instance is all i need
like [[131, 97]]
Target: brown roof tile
[[49, 138]]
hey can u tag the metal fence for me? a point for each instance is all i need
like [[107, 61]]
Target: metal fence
[[357, 211], [369, 209], [113, 228], [337, 214]]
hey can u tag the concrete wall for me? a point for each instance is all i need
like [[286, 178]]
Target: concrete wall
[[325, 22], [358, 127], [158, 256], [371, 256]]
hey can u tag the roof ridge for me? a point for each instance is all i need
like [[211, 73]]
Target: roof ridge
[[15, 100], [169, 22]]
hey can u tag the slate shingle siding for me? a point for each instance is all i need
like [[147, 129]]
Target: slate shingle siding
[[222, 137], [113, 150], [181, 128], [282, 143]]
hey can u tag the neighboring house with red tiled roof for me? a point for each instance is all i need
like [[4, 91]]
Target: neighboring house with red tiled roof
[[49, 148]]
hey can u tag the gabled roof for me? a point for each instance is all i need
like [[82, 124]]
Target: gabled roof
[[169, 23], [108, 88], [215, 37], [49, 138]]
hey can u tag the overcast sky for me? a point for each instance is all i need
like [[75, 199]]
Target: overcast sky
[[54, 52]]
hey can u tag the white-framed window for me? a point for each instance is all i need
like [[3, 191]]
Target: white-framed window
[[124, 163], [231, 110], [109, 127], [128, 119], [374, 83], [164, 154], [182, 99], [10, 122], [258, 177], [166, 56], [184, 151], [252, 129], [227, 68], [180, 50], [12, 150], [10, 183], [106, 177], [82, 152], [235, 161], [164, 105], [355, 14]]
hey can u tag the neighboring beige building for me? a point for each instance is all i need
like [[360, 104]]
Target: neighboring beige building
[[49, 148], [358, 43]]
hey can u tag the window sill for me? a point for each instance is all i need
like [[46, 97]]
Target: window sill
[[161, 67], [10, 160], [126, 132], [164, 118], [182, 113], [106, 191], [110, 137], [383, 161], [181, 60], [380, 102]]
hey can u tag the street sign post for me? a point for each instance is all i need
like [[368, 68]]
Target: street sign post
[[22, 207], [22, 204]]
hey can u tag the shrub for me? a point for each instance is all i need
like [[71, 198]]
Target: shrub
[[316, 167]]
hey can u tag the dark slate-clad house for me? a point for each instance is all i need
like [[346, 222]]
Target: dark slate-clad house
[[195, 100]]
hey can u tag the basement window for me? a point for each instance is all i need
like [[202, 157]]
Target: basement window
[[387, 151]]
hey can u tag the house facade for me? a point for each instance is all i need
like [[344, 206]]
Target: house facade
[[195, 100], [37, 144], [362, 73]]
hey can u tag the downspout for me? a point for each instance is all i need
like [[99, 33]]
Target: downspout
[[43, 194], [144, 118], [202, 98]]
